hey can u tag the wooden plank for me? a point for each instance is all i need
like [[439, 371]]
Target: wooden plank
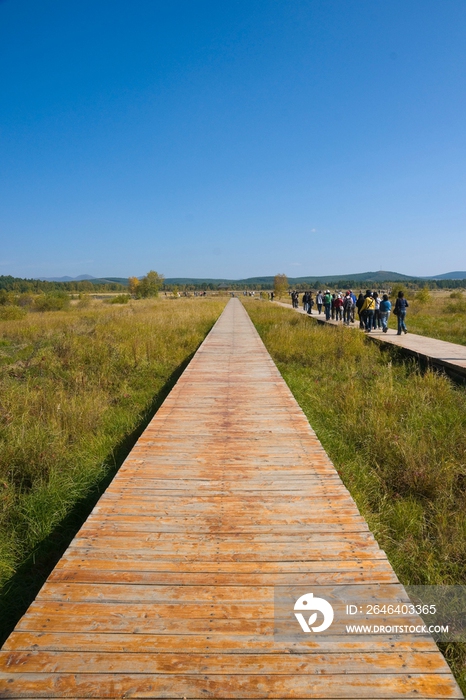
[[354, 662], [208, 643], [114, 575], [146, 685], [168, 590], [86, 558], [144, 593]]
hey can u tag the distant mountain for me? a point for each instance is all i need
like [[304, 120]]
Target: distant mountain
[[448, 276], [81, 278], [87, 278]]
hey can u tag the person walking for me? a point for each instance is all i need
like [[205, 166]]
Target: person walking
[[348, 309], [305, 301], [384, 312], [401, 305], [367, 311], [338, 303], [327, 304], [310, 303], [376, 323], [334, 296], [319, 301], [359, 305]]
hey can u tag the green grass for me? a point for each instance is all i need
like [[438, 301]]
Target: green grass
[[75, 388], [440, 315], [396, 435]]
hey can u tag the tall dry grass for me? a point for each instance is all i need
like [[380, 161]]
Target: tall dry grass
[[442, 315], [73, 386]]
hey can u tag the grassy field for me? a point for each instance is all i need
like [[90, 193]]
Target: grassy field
[[440, 315], [75, 387], [396, 436], [437, 314]]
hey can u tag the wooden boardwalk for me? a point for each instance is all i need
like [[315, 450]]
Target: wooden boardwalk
[[168, 589], [441, 354]]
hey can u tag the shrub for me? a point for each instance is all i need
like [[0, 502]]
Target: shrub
[[84, 301], [6, 297], [456, 307], [423, 295], [395, 289], [25, 299], [11, 313], [55, 301], [119, 299]]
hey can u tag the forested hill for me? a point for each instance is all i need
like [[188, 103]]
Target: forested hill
[[18, 284]]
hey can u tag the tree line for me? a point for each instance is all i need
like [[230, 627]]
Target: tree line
[[33, 286]]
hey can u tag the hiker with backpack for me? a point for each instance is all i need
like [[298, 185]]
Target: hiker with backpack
[[348, 309]]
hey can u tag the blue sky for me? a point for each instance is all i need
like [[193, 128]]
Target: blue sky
[[234, 138]]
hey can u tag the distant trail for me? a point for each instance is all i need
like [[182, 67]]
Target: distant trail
[[438, 353], [168, 589]]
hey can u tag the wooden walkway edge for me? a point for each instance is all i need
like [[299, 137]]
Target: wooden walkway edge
[[440, 354], [167, 591]]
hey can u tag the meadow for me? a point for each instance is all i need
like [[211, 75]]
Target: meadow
[[76, 388], [396, 435]]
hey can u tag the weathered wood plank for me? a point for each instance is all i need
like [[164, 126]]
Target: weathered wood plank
[[147, 685], [354, 662], [105, 575], [209, 643]]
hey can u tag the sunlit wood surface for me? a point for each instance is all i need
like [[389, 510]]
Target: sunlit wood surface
[[168, 589]]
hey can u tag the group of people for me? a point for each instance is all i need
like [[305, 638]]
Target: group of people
[[373, 311]]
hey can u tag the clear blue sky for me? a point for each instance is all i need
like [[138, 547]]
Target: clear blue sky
[[232, 138]]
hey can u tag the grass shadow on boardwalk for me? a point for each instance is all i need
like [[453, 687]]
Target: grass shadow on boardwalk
[[21, 589]]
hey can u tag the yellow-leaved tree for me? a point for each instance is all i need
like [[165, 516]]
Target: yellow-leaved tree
[[280, 285], [133, 284]]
